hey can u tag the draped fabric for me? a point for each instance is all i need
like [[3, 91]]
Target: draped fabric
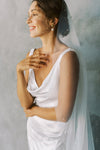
[[76, 133]]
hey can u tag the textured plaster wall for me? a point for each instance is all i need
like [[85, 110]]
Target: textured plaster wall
[[15, 42]]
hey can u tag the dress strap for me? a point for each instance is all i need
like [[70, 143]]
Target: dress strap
[[65, 51], [31, 51], [60, 56]]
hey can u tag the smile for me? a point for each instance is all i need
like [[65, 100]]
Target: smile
[[32, 28]]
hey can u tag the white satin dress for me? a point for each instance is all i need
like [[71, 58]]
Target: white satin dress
[[43, 134]]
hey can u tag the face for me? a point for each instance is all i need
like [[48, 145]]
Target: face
[[37, 21]]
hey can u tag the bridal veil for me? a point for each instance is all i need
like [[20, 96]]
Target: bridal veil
[[80, 132]]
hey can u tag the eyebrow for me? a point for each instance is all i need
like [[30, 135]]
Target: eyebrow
[[32, 10]]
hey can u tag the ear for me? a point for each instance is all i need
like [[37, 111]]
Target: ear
[[54, 21]]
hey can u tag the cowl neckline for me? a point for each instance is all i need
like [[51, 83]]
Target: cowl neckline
[[46, 78]]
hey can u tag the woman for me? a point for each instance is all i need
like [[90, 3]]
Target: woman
[[48, 91]]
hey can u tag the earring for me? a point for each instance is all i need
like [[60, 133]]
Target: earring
[[52, 29]]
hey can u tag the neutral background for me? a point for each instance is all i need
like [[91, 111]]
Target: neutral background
[[15, 42]]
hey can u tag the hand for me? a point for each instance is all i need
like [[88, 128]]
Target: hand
[[30, 112], [36, 61]]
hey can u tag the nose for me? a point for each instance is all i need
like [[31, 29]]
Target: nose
[[28, 20]]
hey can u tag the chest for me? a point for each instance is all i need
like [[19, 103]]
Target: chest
[[42, 73]]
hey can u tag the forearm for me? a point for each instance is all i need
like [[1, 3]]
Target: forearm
[[24, 96], [46, 113]]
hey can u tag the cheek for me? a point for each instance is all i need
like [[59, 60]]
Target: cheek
[[42, 24]]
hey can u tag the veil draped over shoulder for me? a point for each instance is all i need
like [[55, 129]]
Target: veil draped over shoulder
[[80, 132], [49, 134]]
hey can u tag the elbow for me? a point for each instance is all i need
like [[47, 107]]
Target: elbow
[[65, 120], [68, 116], [63, 116], [25, 103], [24, 106]]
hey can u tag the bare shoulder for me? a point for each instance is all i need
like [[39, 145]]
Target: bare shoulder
[[69, 65], [69, 57]]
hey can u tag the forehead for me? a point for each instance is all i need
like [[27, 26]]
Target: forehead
[[34, 7]]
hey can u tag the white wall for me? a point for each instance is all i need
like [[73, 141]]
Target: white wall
[[15, 42]]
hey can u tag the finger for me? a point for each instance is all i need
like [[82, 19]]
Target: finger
[[31, 66], [27, 113], [35, 63], [40, 54], [37, 55], [37, 60], [43, 53], [41, 63], [42, 58], [38, 64]]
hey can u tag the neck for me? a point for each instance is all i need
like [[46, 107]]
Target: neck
[[50, 43]]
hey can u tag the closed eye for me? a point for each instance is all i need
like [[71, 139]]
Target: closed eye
[[34, 14]]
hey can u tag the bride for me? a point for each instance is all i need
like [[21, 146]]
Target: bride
[[52, 90]]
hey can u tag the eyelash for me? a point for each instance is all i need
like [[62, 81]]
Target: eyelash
[[33, 15]]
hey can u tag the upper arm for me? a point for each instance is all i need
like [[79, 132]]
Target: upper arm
[[27, 71], [69, 75]]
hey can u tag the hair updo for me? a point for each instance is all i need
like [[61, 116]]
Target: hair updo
[[58, 9]]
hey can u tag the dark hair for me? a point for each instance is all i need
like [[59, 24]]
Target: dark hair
[[58, 9]]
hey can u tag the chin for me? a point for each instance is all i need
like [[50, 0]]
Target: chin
[[33, 35]]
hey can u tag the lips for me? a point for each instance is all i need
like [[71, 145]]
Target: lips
[[32, 27]]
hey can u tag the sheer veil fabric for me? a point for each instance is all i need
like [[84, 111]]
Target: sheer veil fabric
[[80, 132], [75, 133]]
